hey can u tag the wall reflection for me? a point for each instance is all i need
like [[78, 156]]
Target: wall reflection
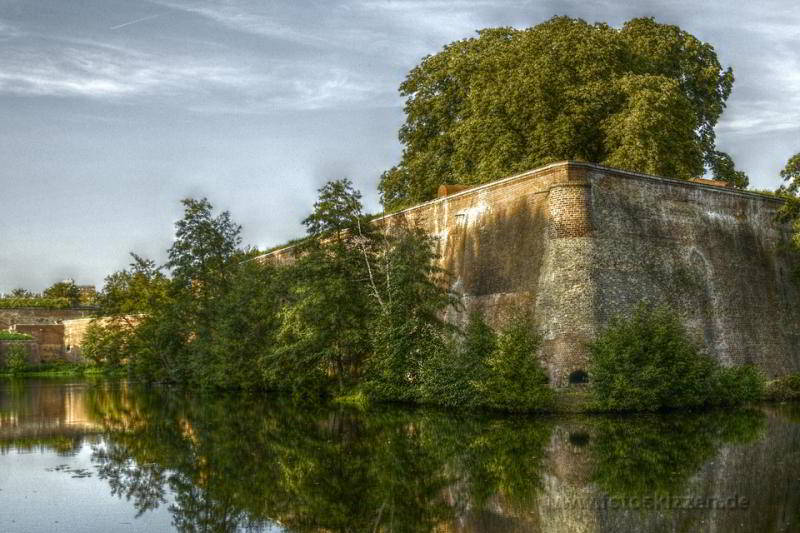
[[37, 413], [244, 462]]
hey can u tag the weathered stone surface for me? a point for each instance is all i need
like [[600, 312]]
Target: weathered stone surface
[[49, 338], [37, 315], [577, 243], [74, 333]]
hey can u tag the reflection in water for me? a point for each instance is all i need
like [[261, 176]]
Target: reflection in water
[[239, 462], [49, 413]]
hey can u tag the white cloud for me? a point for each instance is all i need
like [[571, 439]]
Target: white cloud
[[247, 17], [99, 71], [8, 31]]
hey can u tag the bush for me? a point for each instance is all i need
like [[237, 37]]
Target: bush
[[515, 379], [646, 362], [784, 389], [14, 336], [489, 369], [450, 375], [16, 358], [739, 384]]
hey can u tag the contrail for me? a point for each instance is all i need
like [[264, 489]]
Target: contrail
[[134, 22]]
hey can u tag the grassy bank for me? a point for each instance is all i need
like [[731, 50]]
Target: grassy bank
[[45, 370]]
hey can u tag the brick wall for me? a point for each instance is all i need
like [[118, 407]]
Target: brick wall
[[577, 243], [49, 337]]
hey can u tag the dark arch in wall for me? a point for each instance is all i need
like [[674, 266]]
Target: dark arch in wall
[[577, 377]]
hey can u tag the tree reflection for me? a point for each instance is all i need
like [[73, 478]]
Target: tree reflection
[[244, 462], [241, 462], [657, 454]]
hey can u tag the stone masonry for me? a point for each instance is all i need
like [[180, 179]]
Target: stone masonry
[[577, 243]]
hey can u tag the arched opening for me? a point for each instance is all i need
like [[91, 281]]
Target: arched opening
[[577, 377], [579, 439]]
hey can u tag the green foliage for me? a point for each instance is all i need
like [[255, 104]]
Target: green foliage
[[645, 97], [63, 289], [323, 329], [791, 174], [410, 297], [21, 293], [246, 323], [203, 248], [646, 362], [14, 336], [452, 377], [791, 209], [785, 388], [723, 168], [657, 455], [739, 385], [515, 380], [495, 370], [47, 303], [133, 291], [16, 357], [108, 342]]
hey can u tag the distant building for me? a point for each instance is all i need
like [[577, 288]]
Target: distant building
[[87, 294]]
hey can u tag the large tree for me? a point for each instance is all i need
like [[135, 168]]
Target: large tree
[[645, 97], [63, 289]]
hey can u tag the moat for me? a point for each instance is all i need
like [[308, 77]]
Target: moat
[[81, 455]]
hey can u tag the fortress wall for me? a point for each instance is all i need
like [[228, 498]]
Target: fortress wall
[[717, 256], [576, 243]]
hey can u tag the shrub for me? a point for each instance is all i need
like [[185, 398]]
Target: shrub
[[647, 362], [16, 358], [488, 369], [739, 384], [14, 336], [450, 375], [784, 389], [515, 379]]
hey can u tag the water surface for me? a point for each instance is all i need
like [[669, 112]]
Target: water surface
[[95, 456]]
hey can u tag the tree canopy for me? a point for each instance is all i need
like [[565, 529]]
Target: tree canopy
[[63, 289], [645, 97], [791, 174], [791, 192]]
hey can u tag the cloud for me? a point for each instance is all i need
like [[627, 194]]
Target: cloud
[[8, 31], [247, 17], [136, 21], [101, 71], [95, 70]]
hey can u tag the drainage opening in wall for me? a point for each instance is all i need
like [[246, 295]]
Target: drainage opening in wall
[[578, 376]]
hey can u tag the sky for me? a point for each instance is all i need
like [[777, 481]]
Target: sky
[[111, 111]]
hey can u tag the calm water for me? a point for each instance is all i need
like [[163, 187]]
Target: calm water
[[83, 456]]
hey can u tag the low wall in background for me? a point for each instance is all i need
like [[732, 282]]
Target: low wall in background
[[38, 315], [49, 337]]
